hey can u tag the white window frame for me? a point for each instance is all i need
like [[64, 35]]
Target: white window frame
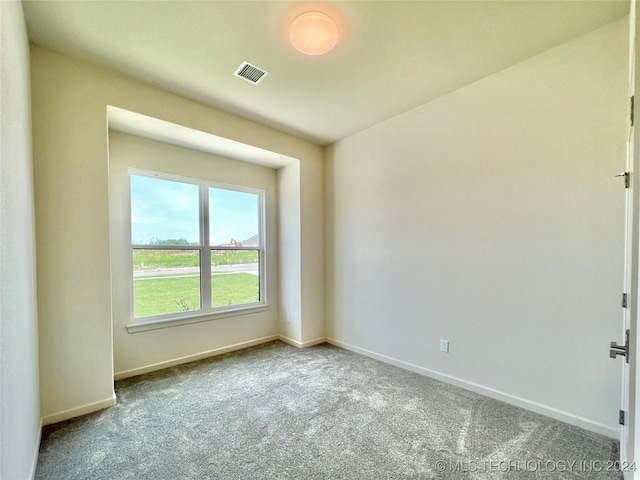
[[207, 312]]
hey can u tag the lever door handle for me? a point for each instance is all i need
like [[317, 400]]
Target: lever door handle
[[626, 176], [623, 350], [616, 350]]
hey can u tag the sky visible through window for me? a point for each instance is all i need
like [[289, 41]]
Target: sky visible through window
[[164, 209]]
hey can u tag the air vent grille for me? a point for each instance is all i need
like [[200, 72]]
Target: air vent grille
[[251, 73]]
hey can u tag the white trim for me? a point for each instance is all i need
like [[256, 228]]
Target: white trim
[[191, 358], [36, 453], [296, 343], [78, 411], [487, 391], [157, 323], [204, 249]]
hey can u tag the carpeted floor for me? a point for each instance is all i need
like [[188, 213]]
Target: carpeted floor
[[278, 412]]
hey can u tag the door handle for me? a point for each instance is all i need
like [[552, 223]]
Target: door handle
[[623, 350]]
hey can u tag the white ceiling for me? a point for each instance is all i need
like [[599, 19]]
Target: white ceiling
[[391, 56]]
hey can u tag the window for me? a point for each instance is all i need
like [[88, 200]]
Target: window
[[196, 247]]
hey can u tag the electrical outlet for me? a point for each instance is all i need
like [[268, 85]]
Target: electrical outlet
[[288, 318], [444, 346]]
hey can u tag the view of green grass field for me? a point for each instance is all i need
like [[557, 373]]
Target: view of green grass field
[[158, 295], [167, 281], [146, 259]]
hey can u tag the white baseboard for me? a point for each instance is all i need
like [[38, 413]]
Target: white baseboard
[[489, 392], [295, 343], [36, 453], [474, 387], [77, 411], [191, 358]]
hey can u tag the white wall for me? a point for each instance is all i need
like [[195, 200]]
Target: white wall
[[70, 142], [302, 314], [290, 324], [134, 352], [19, 398], [490, 217], [312, 266]]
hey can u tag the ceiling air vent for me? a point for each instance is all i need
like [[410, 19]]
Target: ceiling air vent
[[250, 73]]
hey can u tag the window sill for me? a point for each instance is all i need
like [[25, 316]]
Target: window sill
[[143, 326]]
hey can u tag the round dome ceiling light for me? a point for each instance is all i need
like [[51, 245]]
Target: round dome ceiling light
[[313, 33]]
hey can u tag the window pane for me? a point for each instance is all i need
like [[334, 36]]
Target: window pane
[[235, 277], [233, 218], [164, 212], [165, 281]]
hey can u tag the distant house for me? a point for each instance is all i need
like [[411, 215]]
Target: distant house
[[251, 242]]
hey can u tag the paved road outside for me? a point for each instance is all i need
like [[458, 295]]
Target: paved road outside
[[252, 268]]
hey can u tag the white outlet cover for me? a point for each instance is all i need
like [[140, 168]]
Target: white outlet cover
[[444, 346]]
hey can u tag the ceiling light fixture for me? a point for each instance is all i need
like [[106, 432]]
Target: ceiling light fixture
[[313, 33]]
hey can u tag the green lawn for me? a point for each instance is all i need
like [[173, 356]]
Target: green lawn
[[155, 296], [152, 259]]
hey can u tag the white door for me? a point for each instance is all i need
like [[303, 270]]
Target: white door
[[629, 448]]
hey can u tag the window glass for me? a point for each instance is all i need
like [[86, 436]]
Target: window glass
[[235, 277], [233, 218], [165, 281], [164, 212], [173, 273]]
